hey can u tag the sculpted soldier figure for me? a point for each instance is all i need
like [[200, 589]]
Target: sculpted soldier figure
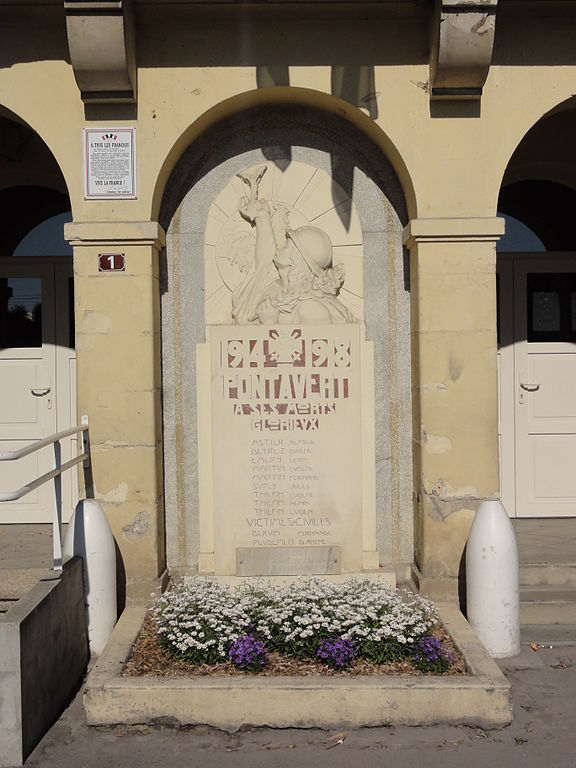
[[293, 280]]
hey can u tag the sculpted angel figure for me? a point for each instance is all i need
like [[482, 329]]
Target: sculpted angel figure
[[293, 280]]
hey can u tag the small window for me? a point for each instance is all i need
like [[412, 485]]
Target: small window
[[552, 307], [20, 312]]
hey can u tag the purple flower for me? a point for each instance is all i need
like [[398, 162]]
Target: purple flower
[[338, 653], [428, 649], [248, 653], [429, 655]]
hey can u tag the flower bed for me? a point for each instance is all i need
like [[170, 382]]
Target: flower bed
[[307, 627]]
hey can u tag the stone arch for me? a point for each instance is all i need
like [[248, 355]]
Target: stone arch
[[240, 109], [282, 135], [25, 208], [32, 186], [539, 190], [539, 184]]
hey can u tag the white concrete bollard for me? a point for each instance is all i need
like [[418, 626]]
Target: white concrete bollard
[[492, 589], [89, 535]]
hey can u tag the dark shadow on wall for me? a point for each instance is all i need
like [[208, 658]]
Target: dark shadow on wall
[[275, 130], [120, 582], [270, 77], [462, 599], [98, 112], [342, 177], [282, 36], [450, 110], [281, 156], [356, 84]]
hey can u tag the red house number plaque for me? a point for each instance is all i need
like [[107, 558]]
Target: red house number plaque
[[111, 262]]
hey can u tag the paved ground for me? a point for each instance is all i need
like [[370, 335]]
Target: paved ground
[[546, 540], [543, 735]]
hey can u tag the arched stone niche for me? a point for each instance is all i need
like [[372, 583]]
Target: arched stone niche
[[318, 173]]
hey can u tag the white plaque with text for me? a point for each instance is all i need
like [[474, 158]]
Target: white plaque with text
[[110, 163], [286, 439]]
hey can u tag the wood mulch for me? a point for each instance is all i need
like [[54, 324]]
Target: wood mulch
[[148, 658]]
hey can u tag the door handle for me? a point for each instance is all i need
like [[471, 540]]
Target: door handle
[[526, 388], [42, 392]]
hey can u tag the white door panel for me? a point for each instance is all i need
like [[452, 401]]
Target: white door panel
[[20, 376], [35, 394], [545, 361], [555, 398], [538, 415], [550, 455]]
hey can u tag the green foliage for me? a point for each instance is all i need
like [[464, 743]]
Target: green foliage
[[384, 651]]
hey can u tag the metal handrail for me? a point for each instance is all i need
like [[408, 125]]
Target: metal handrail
[[53, 474], [15, 495], [12, 455]]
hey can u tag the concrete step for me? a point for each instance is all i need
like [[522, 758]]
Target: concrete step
[[15, 582], [555, 635], [547, 605], [5, 605], [552, 574]]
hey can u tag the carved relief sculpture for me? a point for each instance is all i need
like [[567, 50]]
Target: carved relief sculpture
[[288, 275]]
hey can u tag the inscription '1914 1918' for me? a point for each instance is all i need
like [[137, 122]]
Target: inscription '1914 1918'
[[286, 348]]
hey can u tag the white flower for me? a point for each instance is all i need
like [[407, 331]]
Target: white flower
[[203, 609]]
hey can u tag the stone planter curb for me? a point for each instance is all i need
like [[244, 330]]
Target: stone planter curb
[[480, 698]]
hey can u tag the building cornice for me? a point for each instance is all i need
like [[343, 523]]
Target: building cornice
[[101, 43], [462, 44]]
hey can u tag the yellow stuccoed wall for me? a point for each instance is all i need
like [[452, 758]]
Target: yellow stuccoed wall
[[455, 420], [436, 149], [119, 385], [450, 159]]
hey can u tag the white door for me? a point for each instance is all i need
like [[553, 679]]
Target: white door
[[537, 369], [37, 379]]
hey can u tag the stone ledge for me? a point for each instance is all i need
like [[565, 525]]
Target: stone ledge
[[480, 698], [107, 233], [385, 578], [439, 589], [465, 229]]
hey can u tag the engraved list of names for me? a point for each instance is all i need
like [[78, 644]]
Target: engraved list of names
[[286, 437]]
